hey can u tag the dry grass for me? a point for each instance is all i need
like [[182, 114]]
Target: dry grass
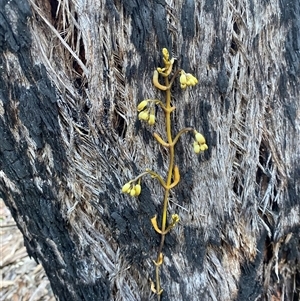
[[21, 278]]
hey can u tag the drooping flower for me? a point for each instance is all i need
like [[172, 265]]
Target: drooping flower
[[144, 115], [142, 105], [187, 79], [199, 144], [132, 189], [175, 218], [132, 192], [151, 120], [126, 187], [137, 189], [147, 113], [200, 138]]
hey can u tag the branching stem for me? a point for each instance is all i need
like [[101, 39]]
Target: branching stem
[[169, 178], [147, 113]]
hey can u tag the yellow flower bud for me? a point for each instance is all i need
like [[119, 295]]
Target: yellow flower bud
[[191, 80], [203, 147], [165, 53], [144, 115], [175, 218], [151, 120], [200, 138], [188, 80], [182, 86], [132, 192], [183, 79], [137, 189], [197, 148], [142, 105], [126, 188]]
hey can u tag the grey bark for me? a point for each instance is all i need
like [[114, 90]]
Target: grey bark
[[72, 73]]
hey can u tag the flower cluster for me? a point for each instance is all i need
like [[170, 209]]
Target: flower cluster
[[199, 143], [187, 79], [167, 62], [132, 189], [163, 79], [175, 220], [147, 113]]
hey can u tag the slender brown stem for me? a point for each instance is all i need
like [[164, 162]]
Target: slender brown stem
[[173, 78], [156, 176], [180, 133]]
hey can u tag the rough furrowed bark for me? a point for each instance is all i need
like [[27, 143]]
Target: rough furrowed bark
[[72, 73]]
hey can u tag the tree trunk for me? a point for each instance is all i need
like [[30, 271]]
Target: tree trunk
[[72, 73]]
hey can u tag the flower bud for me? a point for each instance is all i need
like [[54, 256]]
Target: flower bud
[[191, 80], [151, 120], [196, 148], [200, 138], [132, 192], [144, 115], [126, 188], [142, 105], [137, 189], [183, 80], [165, 53], [175, 218], [203, 147]]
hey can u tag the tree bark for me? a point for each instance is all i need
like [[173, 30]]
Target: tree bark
[[72, 73]]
